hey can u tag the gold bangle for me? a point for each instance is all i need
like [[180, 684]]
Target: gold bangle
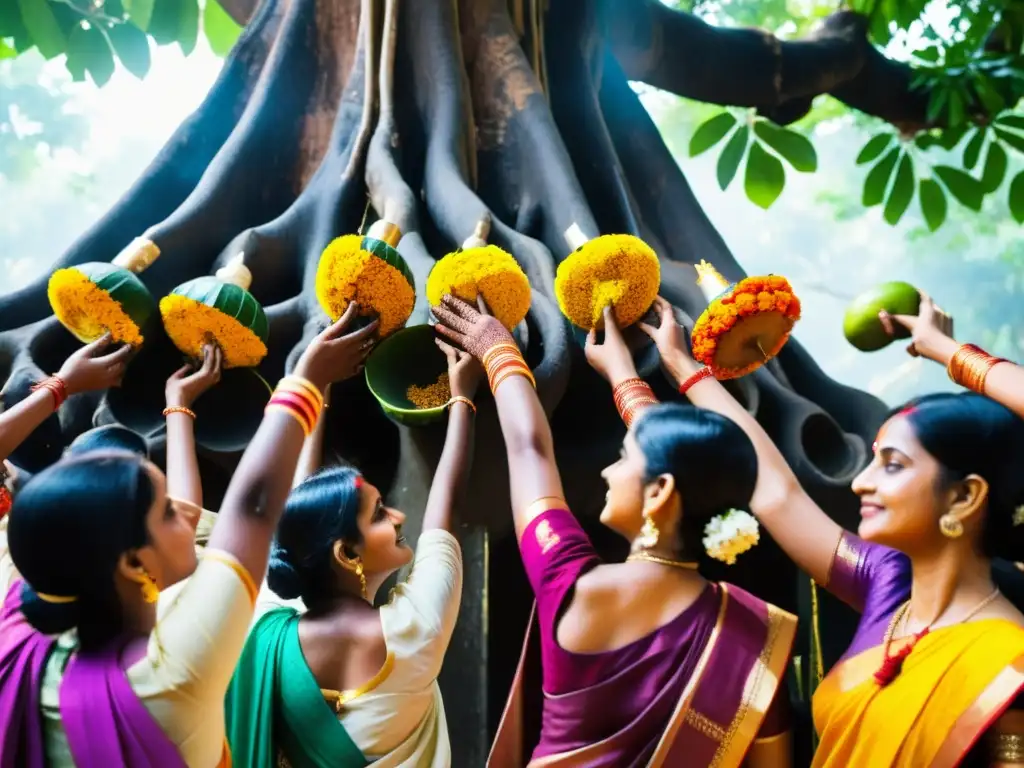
[[290, 411], [180, 409], [502, 347], [461, 399], [306, 385]]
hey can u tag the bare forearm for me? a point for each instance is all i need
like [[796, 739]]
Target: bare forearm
[[452, 474], [17, 423], [183, 479], [532, 471], [1005, 384]]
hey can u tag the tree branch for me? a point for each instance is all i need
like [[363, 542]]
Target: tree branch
[[681, 53], [239, 10]]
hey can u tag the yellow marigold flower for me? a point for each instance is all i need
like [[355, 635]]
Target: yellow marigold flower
[[488, 270], [191, 324], [432, 395], [620, 270], [372, 274], [94, 298]]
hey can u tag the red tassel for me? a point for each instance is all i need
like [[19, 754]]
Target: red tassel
[[5, 501], [893, 665]]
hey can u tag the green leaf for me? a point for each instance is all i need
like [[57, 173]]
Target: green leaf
[[89, 51], [222, 32], [902, 192], [10, 20], [1017, 197], [962, 186], [765, 177], [936, 102], [877, 180], [875, 147], [933, 203], [729, 160], [140, 12], [930, 54], [1015, 140], [42, 26], [995, 168], [7, 51], [795, 148], [990, 98], [189, 26], [132, 47], [1012, 120], [956, 108], [973, 149], [708, 133]]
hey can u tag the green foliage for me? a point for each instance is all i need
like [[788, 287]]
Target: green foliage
[[95, 34], [967, 56]]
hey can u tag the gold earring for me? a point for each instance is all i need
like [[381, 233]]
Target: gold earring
[[362, 578], [150, 591], [951, 527], [649, 534]]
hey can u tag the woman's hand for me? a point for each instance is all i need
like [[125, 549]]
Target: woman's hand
[[189, 382], [464, 370], [335, 355], [611, 358], [95, 367], [670, 339], [474, 330], [931, 331]]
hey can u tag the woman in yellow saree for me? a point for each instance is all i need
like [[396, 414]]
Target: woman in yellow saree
[[937, 663]]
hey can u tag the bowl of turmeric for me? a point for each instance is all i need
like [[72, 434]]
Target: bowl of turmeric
[[408, 375]]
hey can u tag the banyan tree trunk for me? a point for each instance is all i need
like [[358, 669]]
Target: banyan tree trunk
[[435, 112]]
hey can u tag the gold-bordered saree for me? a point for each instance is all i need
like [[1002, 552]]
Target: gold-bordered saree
[[719, 711], [953, 686]]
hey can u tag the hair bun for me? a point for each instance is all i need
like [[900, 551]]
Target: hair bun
[[283, 578], [48, 618]]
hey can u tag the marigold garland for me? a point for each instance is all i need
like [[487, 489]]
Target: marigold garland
[[617, 270], [488, 270], [190, 324], [88, 311], [748, 298], [348, 273]]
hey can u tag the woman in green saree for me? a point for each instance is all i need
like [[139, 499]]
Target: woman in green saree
[[331, 681]]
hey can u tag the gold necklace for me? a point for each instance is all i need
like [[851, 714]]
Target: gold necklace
[[649, 558]]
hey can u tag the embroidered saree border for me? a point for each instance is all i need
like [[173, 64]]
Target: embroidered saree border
[[986, 709]]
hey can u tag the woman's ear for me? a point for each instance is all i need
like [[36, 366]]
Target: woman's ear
[[343, 559], [658, 493], [971, 496]]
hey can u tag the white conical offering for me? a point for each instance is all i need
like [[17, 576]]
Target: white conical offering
[[710, 281]]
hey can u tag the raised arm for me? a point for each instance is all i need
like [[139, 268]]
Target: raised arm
[[803, 530], [614, 362], [93, 367], [969, 366], [256, 495], [312, 456], [183, 388], [452, 474], [533, 475]]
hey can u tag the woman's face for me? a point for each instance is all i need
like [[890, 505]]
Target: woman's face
[[170, 555], [624, 502], [384, 548], [900, 498]]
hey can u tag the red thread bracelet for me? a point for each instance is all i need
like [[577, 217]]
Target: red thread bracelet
[[700, 375]]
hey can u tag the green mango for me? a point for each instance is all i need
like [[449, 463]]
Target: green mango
[[861, 325]]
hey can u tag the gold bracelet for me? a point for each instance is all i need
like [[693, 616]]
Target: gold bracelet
[[969, 367], [179, 409], [461, 399], [307, 386]]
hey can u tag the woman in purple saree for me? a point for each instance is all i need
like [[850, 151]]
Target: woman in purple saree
[[89, 675], [642, 663]]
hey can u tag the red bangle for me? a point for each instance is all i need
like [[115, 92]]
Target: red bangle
[[56, 387], [5, 501], [700, 375]]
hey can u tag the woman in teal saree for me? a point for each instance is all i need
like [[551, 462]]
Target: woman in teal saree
[[329, 680]]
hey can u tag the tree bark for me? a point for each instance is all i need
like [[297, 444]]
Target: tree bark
[[439, 111]]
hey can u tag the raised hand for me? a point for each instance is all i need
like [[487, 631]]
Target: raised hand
[[189, 382], [931, 331], [335, 355], [464, 370], [95, 366], [474, 330], [670, 338], [611, 358]]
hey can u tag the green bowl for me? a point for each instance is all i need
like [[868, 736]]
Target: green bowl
[[406, 357]]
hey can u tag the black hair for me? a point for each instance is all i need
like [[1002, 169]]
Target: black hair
[[68, 528], [969, 434], [711, 459], [112, 437], [319, 512]]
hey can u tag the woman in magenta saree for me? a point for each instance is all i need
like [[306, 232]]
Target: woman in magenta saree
[[618, 676]]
